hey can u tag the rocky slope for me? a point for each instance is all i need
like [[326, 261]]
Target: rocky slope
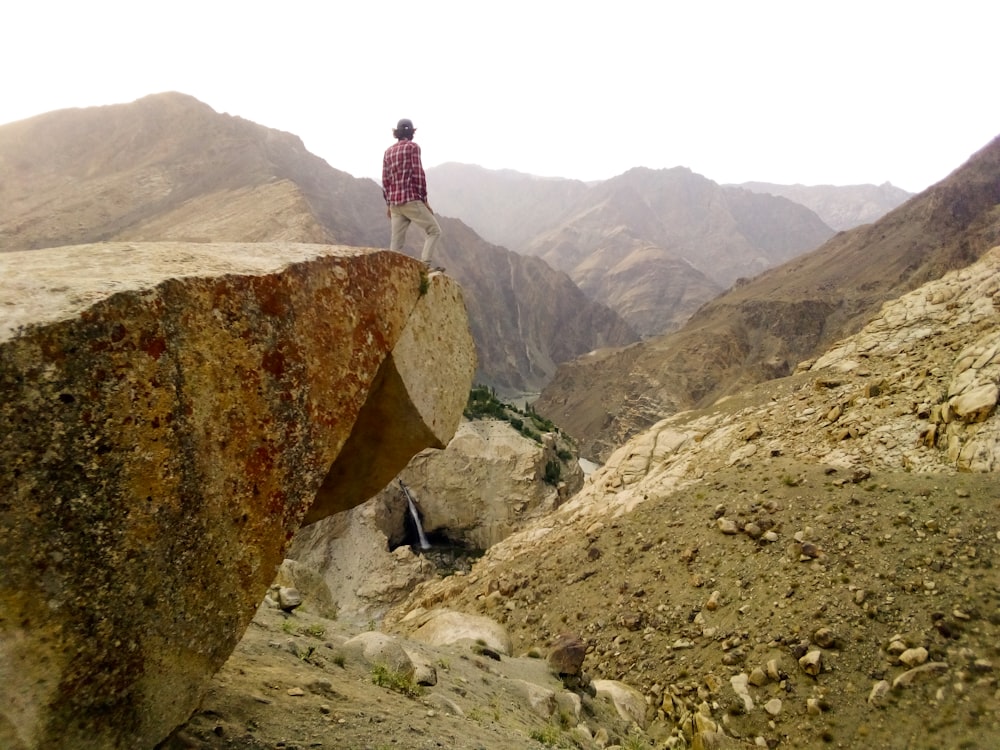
[[805, 564], [760, 329], [168, 167], [839, 206]]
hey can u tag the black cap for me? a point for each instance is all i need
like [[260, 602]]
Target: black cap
[[404, 129]]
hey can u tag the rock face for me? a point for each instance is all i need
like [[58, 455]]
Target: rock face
[[171, 413], [358, 559], [486, 484]]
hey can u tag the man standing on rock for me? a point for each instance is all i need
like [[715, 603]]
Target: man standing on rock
[[404, 186]]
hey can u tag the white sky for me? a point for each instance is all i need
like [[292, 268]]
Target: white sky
[[806, 91]]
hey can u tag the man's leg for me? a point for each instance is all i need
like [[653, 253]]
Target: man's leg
[[400, 223], [419, 214]]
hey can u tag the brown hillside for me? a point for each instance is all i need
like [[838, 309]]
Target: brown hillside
[[525, 317], [762, 328], [169, 167]]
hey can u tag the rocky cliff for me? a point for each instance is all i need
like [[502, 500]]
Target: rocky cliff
[[171, 413]]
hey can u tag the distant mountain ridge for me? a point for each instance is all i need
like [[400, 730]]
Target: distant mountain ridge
[[764, 327], [168, 167], [654, 245], [840, 206]]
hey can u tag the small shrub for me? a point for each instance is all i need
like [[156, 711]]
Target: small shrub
[[553, 471], [387, 678], [547, 735], [315, 630]]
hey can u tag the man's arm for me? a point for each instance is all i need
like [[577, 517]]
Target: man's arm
[[419, 178]]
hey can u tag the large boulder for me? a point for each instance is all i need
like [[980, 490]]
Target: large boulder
[[171, 413], [489, 483]]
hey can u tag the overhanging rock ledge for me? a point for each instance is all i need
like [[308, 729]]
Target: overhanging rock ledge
[[171, 413]]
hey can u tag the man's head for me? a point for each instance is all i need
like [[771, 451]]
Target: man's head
[[404, 130]]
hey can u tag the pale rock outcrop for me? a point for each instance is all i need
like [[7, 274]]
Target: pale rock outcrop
[[171, 413], [628, 702], [378, 649], [441, 627], [488, 483], [349, 558]]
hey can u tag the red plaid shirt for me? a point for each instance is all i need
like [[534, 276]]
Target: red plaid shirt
[[403, 178]]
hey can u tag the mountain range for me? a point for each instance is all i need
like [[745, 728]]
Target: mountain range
[[168, 167], [762, 328], [653, 245], [569, 273]]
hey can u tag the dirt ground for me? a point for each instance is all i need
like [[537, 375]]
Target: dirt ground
[[888, 560], [289, 686]]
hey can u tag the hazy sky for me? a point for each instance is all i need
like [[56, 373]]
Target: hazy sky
[[808, 91]]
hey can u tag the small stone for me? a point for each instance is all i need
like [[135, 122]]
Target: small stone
[[773, 706], [567, 654], [296, 692], [812, 663], [758, 677], [713, 602], [773, 671], [913, 657], [824, 638], [878, 694], [739, 683], [288, 598], [896, 647], [753, 530], [859, 596], [770, 536], [727, 526], [860, 474], [813, 708], [919, 674]]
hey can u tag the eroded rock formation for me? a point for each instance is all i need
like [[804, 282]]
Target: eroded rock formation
[[486, 484], [171, 412]]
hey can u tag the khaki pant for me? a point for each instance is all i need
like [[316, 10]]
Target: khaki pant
[[417, 213]]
